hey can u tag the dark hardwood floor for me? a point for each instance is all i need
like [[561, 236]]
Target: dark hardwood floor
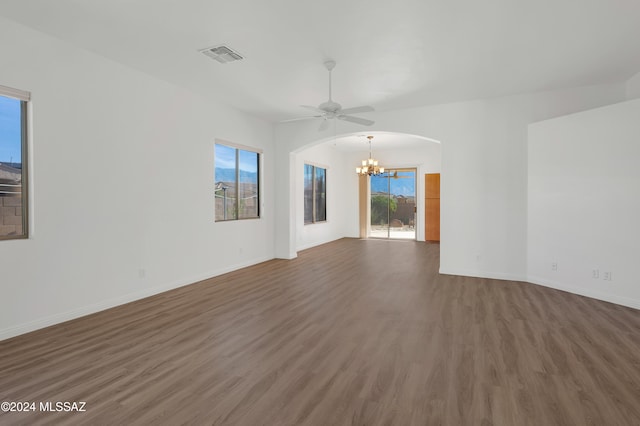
[[351, 332]]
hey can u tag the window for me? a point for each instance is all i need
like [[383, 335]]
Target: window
[[13, 164], [315, 194], [237, 187]]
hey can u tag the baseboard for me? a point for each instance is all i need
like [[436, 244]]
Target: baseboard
[[317, 243], [484, 274], [117, 301], [612, 298], [290, 256], [131, 297], [618, 300]]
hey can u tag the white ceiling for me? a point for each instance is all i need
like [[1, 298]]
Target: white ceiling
[[381, 141], [390, 54]]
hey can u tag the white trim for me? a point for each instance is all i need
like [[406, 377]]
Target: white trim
[[485, 274], [292, 255], [618, 300], [15, 93], [311, 163], [322, 222], [237, 146], [19, 329], [317, 243]]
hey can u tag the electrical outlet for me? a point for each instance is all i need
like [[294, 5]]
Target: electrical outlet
[[142, 273], [554, 266], [607, 276], [595, 273]]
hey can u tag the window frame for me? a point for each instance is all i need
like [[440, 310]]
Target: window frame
[[24, 98], [314, 220], [237, 148]]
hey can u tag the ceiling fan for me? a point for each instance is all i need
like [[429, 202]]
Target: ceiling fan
[[394, 175], [330, 110]]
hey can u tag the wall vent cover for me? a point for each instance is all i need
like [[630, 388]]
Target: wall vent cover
[[222, 54]]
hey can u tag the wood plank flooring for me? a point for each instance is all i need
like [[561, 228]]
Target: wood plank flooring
[[353, 332]]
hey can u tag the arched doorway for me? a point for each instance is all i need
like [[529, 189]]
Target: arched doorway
[[339, 156]]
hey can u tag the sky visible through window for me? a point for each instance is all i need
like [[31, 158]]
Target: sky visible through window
[[226, 159], [401, 186], [10, 131]]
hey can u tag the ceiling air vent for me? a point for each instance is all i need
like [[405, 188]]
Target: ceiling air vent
[[222, 54]]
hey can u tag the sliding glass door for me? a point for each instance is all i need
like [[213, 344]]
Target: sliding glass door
[[393, 204]]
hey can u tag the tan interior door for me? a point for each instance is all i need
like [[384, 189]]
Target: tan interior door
[[432, 206]]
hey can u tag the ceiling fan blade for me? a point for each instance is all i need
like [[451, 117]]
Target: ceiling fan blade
[[330, 109], [308, 117], [395, 176], [356, 110], [356, 120], [324, 125], [312, 108]]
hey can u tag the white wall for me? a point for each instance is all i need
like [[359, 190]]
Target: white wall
[[122, 178], [328, 157], [483, 177], [584, 204], [633, 87]]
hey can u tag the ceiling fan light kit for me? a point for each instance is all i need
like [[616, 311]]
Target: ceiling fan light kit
[[330, 109]]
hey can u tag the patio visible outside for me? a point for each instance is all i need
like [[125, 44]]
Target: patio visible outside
[[393, 205], [408, 233]]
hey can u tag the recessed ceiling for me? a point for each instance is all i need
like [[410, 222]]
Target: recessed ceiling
[[389, 54]]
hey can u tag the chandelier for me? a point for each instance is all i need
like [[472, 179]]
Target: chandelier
[[369, 166]]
